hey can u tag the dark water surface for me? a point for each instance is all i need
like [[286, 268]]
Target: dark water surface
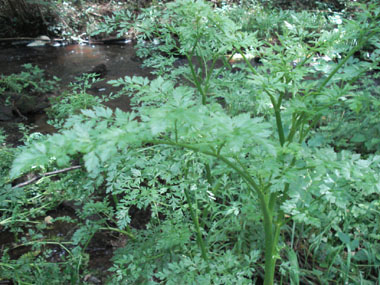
[[68, 62]]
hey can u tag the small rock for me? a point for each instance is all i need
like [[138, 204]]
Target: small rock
[[99, 69], [26, 104], [48, 220], [37, 43], [43, 38], [92, 279]]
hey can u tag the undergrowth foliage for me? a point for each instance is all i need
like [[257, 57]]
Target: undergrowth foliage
[[75, 99], [237, 165]]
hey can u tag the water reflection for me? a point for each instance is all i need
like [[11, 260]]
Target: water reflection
[[68, 62]]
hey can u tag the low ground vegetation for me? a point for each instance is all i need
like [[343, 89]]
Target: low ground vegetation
[[251, 157]]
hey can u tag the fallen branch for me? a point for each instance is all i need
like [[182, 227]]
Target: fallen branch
[[38, 177], [16, 39], [18, 112], [27, 38], [95, 14]]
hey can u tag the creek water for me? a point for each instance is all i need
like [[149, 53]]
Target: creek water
[[68, 62]]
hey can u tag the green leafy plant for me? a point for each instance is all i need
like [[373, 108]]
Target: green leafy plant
[[6, 155], [187, 160], [31, 80], [22, 90], [74, 99]]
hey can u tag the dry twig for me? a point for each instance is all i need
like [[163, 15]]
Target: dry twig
[[38, 177]]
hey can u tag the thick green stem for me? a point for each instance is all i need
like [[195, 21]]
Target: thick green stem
[[208, 173], [196, 79], [194, 217], [251, 68], [271, 254], [277, 113], [351, 53], [270, 246], [208, 75], [298, 119], [316, 119], [270, 261], [252, 185], [115, 200], [127, 232]]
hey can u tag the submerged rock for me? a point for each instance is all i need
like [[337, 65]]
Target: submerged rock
[[6, 113], [100, 70], [27, 104], [43, 38], [39, 42], [21, 105]]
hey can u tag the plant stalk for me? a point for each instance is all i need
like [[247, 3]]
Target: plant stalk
[[194, 217]]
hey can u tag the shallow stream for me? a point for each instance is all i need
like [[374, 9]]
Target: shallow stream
[[68, 62]]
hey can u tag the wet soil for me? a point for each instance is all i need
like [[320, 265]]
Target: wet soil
[[100, 249]]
